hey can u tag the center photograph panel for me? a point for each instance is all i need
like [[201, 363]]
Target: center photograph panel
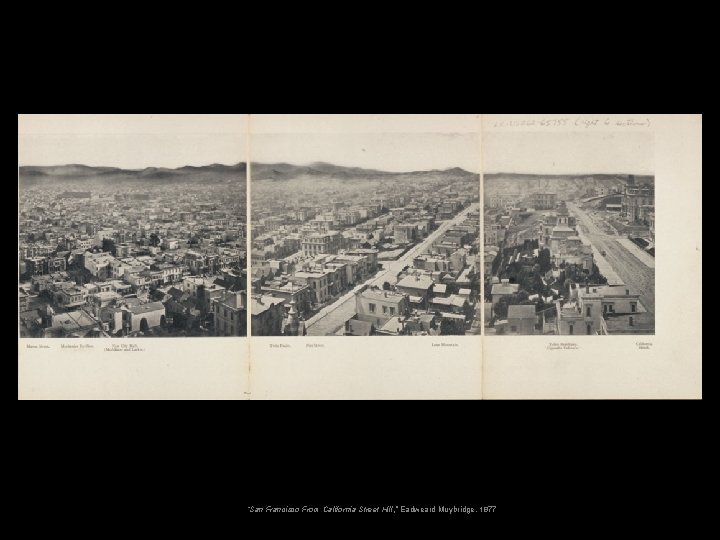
[[369, 230]]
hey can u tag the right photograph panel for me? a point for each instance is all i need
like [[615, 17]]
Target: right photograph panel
[[569, 233]]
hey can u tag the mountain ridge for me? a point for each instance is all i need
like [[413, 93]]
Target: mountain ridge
[[32, 174]]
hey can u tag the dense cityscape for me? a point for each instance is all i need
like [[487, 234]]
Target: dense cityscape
[[569, 255], [105, 252], [352, 252]]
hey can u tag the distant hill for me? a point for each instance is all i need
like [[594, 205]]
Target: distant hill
[[33, 175], [287, 171], [567, 185]]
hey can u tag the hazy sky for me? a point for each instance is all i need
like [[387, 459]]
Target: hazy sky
[[385, 151], [568, 153], [131, 141]]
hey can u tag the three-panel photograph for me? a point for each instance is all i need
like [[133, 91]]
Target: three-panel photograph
[[262, 235]]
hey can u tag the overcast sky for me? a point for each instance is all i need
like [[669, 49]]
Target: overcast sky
[[568, 153], [386, 142], [131, 141]]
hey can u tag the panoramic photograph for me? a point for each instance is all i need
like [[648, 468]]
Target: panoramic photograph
[[131, 226], [569, 234], [365, 234]]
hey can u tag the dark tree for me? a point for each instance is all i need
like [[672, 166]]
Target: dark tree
[[501, 308], [544, 260], [108, 245], [154, 239], [448, 328], [144, 327]]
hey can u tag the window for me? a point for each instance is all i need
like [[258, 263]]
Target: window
[[589, 329], [588, 311], [633, 307], [384, 309], [571, 329], [392, 311], [371, 307]]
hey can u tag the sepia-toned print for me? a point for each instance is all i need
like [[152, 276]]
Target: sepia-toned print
[[569, 234], [131, 232], [373, 234]]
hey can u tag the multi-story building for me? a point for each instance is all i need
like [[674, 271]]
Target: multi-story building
[[230, 313], [589, 305], [405, 233], [318, 243], [99, 264], [35, 266], [266, 315], [543, 201], [318, 282], [418, 288], [71, 297], [637, 200], [378, 306]]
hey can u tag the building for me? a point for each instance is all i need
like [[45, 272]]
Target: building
[[521, 320], [69, 297], [370, 254], [23, 300], [288, 291], [378, 306], [318, 243], [417, 287], [136, 317], [637, 200], [590, 306], [503, 289], [318, 282], [543, 201], [99, 264], [651, 225], [405, 233], [266, 315], [230, 314], [77, 323]]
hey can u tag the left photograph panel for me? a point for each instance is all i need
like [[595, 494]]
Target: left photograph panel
[[132, 226]]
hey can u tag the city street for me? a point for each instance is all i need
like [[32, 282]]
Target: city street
[[331, 318], [633, 272]]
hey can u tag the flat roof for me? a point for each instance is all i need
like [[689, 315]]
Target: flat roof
[[521, 312]]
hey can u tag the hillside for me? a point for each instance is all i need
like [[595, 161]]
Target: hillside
[[33, 175], [286, 171], [563, 185]]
